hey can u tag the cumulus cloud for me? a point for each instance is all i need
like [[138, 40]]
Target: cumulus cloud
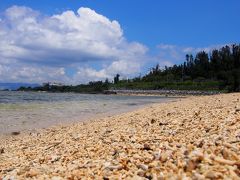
[[90, 74], [122, 67], [32, 74], [36, 48]]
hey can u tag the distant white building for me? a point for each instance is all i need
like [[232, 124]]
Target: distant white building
[[53, 84]]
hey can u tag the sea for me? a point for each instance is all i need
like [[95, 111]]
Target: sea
[[30, 111]]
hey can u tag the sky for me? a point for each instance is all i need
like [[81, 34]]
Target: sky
[[76, 41]]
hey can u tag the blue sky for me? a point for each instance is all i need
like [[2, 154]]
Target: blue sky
[[153, 32]]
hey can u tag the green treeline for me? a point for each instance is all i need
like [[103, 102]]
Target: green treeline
[[91, 87], [217, 71]]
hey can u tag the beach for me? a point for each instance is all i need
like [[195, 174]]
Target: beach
[[191, 138]]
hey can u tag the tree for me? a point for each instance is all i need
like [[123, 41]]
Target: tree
[[201, 65], [106, 81], [116, 78], [215, 63]]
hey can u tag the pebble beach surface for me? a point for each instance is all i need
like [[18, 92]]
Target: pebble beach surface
[[192, 138]]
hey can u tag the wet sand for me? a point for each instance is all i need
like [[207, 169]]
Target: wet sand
[[195, 137]]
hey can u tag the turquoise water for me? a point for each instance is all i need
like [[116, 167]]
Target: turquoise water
[[21, 111]]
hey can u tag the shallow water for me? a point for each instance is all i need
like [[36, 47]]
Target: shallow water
[[21, 111]]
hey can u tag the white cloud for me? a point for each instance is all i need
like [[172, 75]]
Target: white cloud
[[33, 74], [208, 49], [124, 68], [171, 54], [39, 48], [31, 43], [90, 74]]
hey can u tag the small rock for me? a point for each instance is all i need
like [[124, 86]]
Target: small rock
[[198, 176], [1, 150], [54, 158], [9, 169], [197, 155], [15, 133], [197, 113], [136, 156], [153, 121], [186, 152], [106, 164], [178, 145], [140, 173], [191, 165], [119, 167], [164, 157], [237, 110], [143, 167], [56, 178], [225, 153], [207, 130], [212, 175], [200, 144], [108, 131], [157, 155], [162, 124], [153, 164], [115, 153], [76, 137], [32, 173], [146, 147]]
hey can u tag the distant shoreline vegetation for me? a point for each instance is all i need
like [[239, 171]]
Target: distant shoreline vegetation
[[217, 71]]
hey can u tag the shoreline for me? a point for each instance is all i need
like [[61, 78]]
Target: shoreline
[[139, 92], [36, 126], [79, 120], [162, 92], [195, 137]]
